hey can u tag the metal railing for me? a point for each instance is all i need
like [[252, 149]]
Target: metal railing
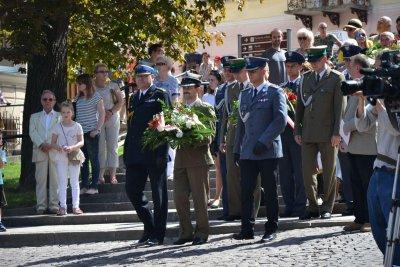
[[321, 4]]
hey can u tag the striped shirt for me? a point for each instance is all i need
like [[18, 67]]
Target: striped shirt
[[86, 112]]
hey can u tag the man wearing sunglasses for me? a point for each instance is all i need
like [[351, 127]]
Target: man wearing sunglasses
[[40, 128], [319, 110]]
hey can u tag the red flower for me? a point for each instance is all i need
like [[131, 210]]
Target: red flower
[[292, 97]]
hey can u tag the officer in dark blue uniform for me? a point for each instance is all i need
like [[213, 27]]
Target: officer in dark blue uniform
[[219, 108], [142, 163], [263, 113], [290, 172]]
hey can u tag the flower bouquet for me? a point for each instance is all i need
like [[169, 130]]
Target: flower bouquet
[[291, 99], [179, 126]]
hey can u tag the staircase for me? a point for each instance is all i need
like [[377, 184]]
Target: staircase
[[109, 216]]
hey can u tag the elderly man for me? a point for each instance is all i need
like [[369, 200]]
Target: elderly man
[[318, 114], [40, 128], [142, 163], [276, 58], [352, 26], [384, 24], [191, 172], [327, 39], [262, 113], [387, 39]]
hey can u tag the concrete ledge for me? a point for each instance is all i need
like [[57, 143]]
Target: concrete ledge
[[75, 234]]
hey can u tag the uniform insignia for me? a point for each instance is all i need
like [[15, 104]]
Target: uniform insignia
[[150, 100]]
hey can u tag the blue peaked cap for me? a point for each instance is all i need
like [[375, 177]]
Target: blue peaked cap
[[144, 69]]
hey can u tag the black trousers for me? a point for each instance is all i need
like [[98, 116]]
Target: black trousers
[[291, 176], [249, 170], [361, 172], [136, 177]]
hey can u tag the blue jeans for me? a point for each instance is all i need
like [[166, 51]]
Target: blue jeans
[[91, 151], [379, 204]]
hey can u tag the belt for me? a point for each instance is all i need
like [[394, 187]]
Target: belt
[[386, 169]]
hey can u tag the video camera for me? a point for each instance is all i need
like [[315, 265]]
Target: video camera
[[378, 83]]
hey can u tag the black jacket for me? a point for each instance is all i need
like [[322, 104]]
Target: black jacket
[[140, 112]]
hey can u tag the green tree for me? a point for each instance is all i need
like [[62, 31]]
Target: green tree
[[54, 36]]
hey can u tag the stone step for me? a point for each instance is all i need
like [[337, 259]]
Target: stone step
[[121, 197], [92, 218], [116, 213], [121, 176], [75, 234]]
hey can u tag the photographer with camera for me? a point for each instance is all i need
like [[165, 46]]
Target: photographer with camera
[[360, 151], [379, 194]]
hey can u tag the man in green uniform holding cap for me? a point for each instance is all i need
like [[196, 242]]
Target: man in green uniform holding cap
[[227, 140], [320, 105]]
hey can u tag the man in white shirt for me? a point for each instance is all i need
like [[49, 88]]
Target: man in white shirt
[[40, 128]]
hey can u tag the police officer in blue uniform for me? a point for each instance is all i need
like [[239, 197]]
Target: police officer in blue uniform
[[290, 172], [142, 162], [258, 145], [219, 109]]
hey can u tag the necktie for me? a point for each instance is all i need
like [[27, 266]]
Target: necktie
[[241, 86], [254, 93], [317, 78], [141, 95]]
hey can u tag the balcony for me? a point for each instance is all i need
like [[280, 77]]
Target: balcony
[[305, 9]]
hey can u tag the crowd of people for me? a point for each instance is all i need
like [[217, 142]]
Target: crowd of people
[[278, 117]]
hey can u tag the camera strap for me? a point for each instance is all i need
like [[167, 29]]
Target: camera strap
[[386, 159]]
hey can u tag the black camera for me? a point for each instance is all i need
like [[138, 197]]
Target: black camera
[[378, 83]]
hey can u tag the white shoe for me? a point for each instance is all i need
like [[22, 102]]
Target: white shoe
[[83, 191], [92, 191], [170, 177]]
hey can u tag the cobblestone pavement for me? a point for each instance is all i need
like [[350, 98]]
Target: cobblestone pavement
[[301, 247]]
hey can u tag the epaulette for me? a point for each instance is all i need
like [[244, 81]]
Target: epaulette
[[161, 90], [338, 73], [307, 72]]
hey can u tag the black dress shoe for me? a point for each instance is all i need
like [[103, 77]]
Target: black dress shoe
[[144, 239], [182, 241], [348, 212], [326, 215], [268, 237], [231, 218], [221, 218], [154, 242], [199, 241], [242, 236], [287, 213], [309, 215]]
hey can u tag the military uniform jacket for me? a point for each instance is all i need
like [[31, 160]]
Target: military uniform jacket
[[219, 109], [228, 131], [261, 119], [319, 106], [293, 87], [140, 112], [199, 154]]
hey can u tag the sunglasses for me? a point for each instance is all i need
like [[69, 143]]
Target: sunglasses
[[47, 99], [102, 71], [302, 38], [161, 64]]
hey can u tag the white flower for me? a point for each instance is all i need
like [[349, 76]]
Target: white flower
[[179, 134], [189, 124], [160, 128]]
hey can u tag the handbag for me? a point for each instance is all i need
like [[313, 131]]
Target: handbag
[[75, 157]]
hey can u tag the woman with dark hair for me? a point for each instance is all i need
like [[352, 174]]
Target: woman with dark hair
[[90, 114], [215, 80]]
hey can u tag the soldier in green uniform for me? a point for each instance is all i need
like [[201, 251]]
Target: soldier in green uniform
[[191, 169], [320, 105], [227, 140]]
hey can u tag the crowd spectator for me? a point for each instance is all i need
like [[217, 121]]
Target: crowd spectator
[[306, 40], [361, 150], [154, 51], [164, 79], [276, 58], [67, 137], [41, 125], [386, 39], [398, 29], [352, 26], [327, 39], [218, 64], [205, 66], [90, 115], [3, 161], [384, 24], [362, 39], [215, 81], [108, 138]]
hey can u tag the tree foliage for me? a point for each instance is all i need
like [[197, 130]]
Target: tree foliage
[[107, 30]]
